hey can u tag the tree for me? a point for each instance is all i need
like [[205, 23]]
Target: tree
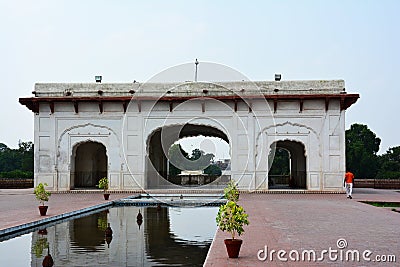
[[361, 148], [389, 164], [280, 164], [177, 155], [16, 163], [213, 170], [196, 154], [3, 147], [180, 160], [9, 159], [199, 160], [26, 154]]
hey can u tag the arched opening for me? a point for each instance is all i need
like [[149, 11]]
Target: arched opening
[[173, 158], [89, 165], [197, 160], [288, 165]]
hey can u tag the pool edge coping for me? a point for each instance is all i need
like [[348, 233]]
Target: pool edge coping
[[26, 226], [50, 219], [54, 218]]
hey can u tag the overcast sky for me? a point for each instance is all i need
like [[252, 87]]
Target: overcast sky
[[72, 41]]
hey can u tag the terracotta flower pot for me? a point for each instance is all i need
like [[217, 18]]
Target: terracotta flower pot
[[233, 247], [106, 196], [43, 210]]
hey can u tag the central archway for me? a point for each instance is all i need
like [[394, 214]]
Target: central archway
[[89, 164], [292, 154], [158, 164]]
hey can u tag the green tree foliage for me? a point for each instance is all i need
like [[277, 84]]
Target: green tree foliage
[[180, 160], [39, 246], [42, 195], [213, 170], [199, 160], [3, 147], [16, 163], [231, 218], [361, 148], [231, 192], [389, 164], [196, 154], [281, 161], [177, 156], [25, 150]]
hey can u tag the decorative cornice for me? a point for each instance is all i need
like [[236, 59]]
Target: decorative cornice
[[32, 103]]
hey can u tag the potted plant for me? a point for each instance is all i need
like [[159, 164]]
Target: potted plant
[[231, 192], [42, 195], [232, 217], [40, 244], [103, 184]]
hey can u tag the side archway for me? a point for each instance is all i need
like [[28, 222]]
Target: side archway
[[88, 164], [68, 143], [297, 176], [292, 133]]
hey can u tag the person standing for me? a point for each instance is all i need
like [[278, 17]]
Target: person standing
[[348, 183]]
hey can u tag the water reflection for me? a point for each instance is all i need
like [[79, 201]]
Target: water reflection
[[86, 235], [39, 246], [139, 219], [157, 237], [108, 233], [48, 260], [165, 247]]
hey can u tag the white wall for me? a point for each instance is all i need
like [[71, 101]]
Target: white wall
[[250, 135]]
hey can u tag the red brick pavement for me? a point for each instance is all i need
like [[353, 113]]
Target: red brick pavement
[[19, 206], [313, 221]]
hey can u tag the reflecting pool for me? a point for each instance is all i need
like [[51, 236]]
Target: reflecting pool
[[166, 236]]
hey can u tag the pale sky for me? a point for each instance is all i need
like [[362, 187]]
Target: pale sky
[[72, 41]]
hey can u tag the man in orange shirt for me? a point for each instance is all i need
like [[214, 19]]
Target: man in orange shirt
[[348, 183]]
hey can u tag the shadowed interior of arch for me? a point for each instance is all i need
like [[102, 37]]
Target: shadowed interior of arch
[[288, 169], [88, 165]]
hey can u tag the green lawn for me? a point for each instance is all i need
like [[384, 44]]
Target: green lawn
[[383, 204]]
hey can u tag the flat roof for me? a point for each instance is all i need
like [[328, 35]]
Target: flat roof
[[177, 92], [191, 88]]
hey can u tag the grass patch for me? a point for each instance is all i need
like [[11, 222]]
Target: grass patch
[[383, 204]]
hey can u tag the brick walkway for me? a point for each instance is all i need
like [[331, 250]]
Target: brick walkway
[[19, 206], [313, 221]]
